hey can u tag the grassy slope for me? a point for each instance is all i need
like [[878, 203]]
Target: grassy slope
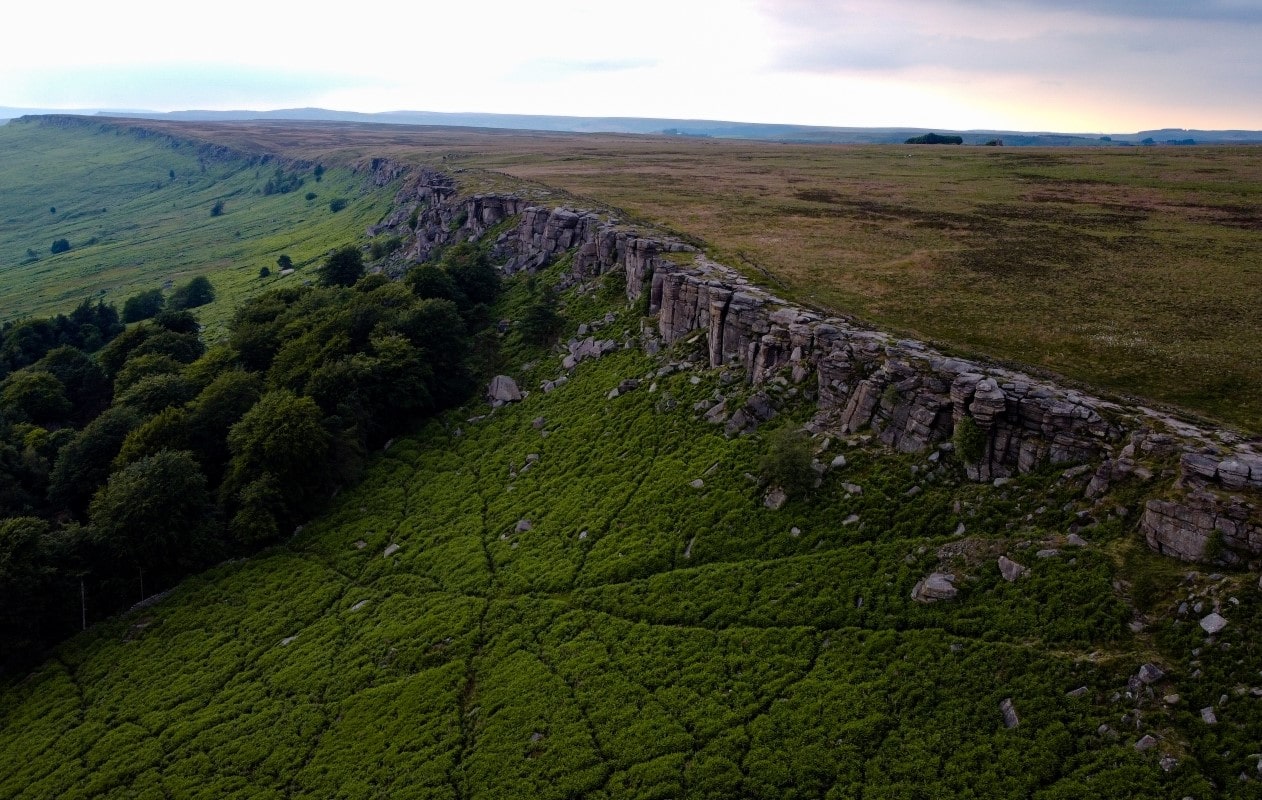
[[149, 228], [644, 639]]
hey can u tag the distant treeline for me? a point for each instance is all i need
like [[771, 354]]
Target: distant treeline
[[132, 457]]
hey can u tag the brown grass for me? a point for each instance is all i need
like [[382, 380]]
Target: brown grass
[[1137, 270]]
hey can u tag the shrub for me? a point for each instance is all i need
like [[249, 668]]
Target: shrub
[[60, 246], [217, 208], [344, 267], [283, 261], [142, 306], [197, 292], [337, 204], [264, 272], [787, 462], [970, 440]]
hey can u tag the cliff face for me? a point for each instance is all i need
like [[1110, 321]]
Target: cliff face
[[910, 395]]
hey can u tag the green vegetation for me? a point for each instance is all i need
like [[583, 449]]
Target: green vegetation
[[936, 138], [635, 637], [578, 595], [112, 188]]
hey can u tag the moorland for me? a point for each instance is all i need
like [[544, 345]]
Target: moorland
[[584, 593]]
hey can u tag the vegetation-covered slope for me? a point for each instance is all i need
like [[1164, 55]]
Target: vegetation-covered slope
[[136, 212], [581, 595]]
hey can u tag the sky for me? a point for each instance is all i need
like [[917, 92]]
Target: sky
[[1107, 66]]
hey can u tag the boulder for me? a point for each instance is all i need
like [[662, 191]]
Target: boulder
[[937, 586], [503, 389], [1150, 674], [1009, 569], [775, 499], [1213, 623], [1010, 718]]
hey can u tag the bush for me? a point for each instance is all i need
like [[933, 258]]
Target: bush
[[935, 138], [59, 246], [337, 204], [143, 306], [970, 440], [283, 261], [344, 267], [194, 294], [787, 462], [217, 208]]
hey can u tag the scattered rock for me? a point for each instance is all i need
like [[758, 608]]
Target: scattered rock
[[538, 423], [1148, 742], [1009, 569], [288, 640], [1074, 540], [838, 463], [582, 535], [688, 549], [391, 550], [795, 531], [503, 389], [850, 520], [775, 499], [1081, 691], [1208, 715], [697, 484], [1168, 763], [1050, 552], [1149, 674], [852, 488], [959, 529], [360, 544], [937, 586], [1010, 718], [522, 526], [1171, 699], [1213, 624], [359, 605], [913, 491]]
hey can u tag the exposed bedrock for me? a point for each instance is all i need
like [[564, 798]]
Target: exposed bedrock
[[907, 393]]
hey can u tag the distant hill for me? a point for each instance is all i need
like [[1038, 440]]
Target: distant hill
[[687, 127]]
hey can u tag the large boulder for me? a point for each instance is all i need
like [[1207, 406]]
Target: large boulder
[[937, 586], [501, 390]]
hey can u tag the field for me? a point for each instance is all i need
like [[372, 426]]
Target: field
[[136, 213], [1137, 271]]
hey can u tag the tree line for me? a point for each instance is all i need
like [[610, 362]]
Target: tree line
[[130, 457]]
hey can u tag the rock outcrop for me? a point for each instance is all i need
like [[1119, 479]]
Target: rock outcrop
[[911, 396]]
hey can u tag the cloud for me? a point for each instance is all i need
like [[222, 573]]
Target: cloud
[[1125, 52]]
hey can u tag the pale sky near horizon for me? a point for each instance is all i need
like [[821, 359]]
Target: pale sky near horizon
[[1063, 65]]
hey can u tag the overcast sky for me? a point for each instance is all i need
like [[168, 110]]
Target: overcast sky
[[1063, 65]]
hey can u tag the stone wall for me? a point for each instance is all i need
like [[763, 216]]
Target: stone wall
[[907, 393]]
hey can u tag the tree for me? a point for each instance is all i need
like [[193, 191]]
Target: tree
[[337, 204], [281, 436], [35, 396], [142, 306], [154, 512], [431, 282], [787, 462], [540, 320], [265, 272], [217, 208], [84, 463], [194, 294], [283, 261], [60, 246], [344, 267], [87, 387], [152, 393]]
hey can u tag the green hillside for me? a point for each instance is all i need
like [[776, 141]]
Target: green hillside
[[648, 636], [136, 212]]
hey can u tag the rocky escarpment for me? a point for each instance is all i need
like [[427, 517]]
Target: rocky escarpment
[[1205, 485]]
